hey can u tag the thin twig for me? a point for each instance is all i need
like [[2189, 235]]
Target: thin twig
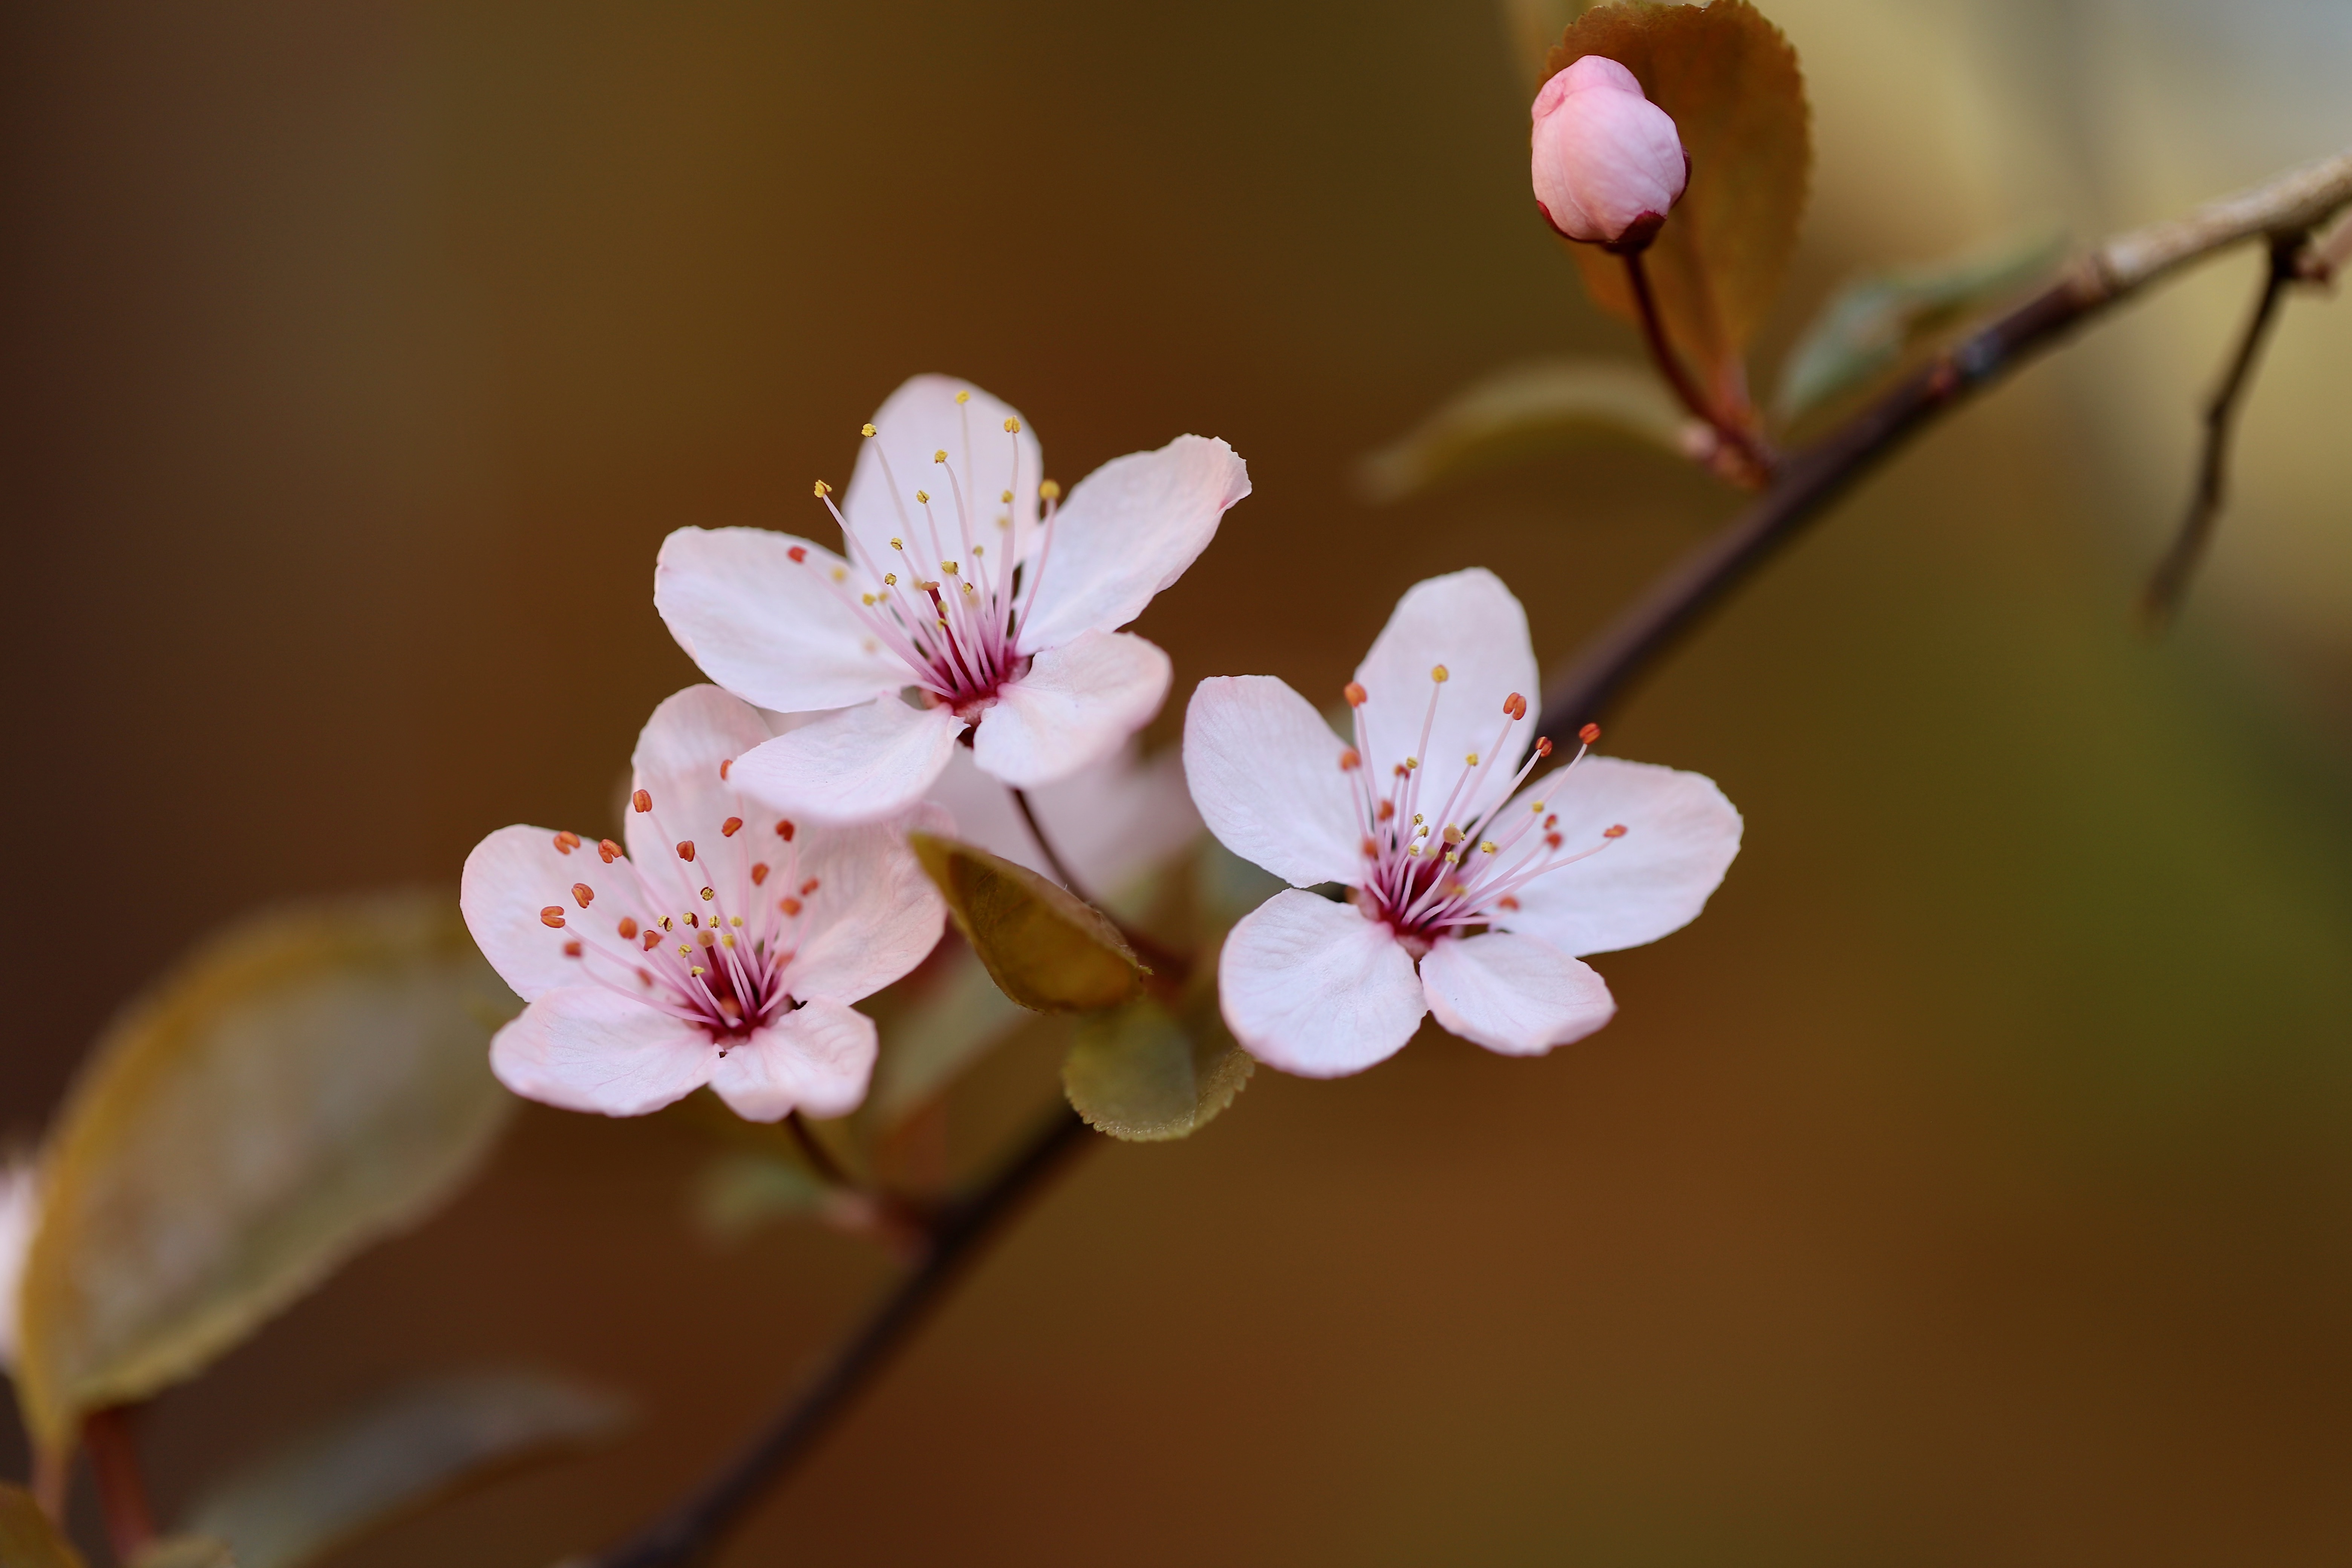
[[1807, 482], [698, 1525], [1170, 968], [828, 1170], [2170, 582], [1753, 457], [122, 1490], [1062, 873], [2298, 202]]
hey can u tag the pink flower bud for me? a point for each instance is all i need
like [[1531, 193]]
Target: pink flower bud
[[1607, 164]]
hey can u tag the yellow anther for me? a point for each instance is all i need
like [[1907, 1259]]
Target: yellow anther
[[666, 922], [1006, 498], [1013, 428], [948, 567], [940, 456], [1487, 846], [1413, 761], [868, 598], [1051, 490], [726, 939], [922, 497], [1539, 808], [1414, 849], [1002, 522], [696, 969], [969, 589], [979, 550], [708, 894], [865, 430], [1472, 759], [1451, 858], [1420, 820], [963, 398], [943, 625], [841, 574], [684, 950], [823, 490], [1437, 673], [898, 544], [736, 920], [889, 578]]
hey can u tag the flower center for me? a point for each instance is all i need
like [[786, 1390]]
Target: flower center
[[955, 622], [1435, 862], [709, 939]]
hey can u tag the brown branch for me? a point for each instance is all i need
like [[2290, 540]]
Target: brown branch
[[1807, 482], [1753, 461], [2294, 203], [2170, 582]]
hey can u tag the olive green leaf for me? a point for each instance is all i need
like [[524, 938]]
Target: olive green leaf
[[182, 1552], [1731, 84], [1141, 1075], [28, 1538], [1868, 324], [1525, 408], [312, 1080], [1046, 948], [394, 1454]]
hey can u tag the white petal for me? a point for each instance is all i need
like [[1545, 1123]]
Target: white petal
[[1109, 822], [923, 418], [873, 916], [860, 764], [1127, 532], [767, 627], [510, 878], [1314, 988], [676, 763], [1075, 706], [816, 1060], [1513, 994], [586, 1048], [1680, 837], [1265, 770], [1468, 621]]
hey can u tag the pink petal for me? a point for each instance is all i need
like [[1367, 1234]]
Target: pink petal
[[860, 764], [1265, 770], [510, 879], [1073, 707], [1127, 532], [1468, 621], [765, 627], [923, 418], [874, 915], [1108, 821], [817, 1060], [587, 1048], [676, 763], [1680, 837], [1513, 994], [1314, 988]]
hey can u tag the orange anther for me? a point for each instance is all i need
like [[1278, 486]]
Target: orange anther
[[1616, 831], [1552, 839], [808, 887], [609, 850], [571, 949], [725, 766], [1543, 745], [1551, 822], [759, 872], [785, 830], [790, 906], [1371, 845], [1506, 902], [583, 894], [797, 553], [645, 977], [1349, 761], [731, 827], [686, 848], [1516, 706], [1589, 734], [567, 841], [653, 940], [1386, 810], [628, 929], [552, 917], [642, 801], [1356, 694]]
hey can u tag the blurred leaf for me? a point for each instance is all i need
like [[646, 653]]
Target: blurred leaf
[[1140, 1074], [739, 1190], [308, 1082], [936, 1033], [28, 1538], [1047, 949], [1527, 407], [1869, 322], [394, 1454], [182, 1552], [1730, 82]]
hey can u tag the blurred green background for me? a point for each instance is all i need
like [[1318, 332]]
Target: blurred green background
[[1971, 1184]]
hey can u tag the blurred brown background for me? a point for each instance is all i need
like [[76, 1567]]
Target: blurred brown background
[[1971, 1184]]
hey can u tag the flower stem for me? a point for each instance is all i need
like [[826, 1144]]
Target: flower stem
[[1046, 845], [1735, 437], [1172, 968], [121, 1491]]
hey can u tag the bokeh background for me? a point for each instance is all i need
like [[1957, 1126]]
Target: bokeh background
[[1973, 1183]]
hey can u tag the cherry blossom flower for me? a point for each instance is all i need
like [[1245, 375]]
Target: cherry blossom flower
[[1491, 888], [1607, 164], [972, 604], [1109, 821], [20, 1215], [723, 945]]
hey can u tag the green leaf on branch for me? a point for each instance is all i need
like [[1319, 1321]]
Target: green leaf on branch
[[1869, 323], [1525, 408], [1046, 948], [182, 1552], [28, 1538], [1731, 84], [396, 1453], [311, 1081], [1144, 1076]]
